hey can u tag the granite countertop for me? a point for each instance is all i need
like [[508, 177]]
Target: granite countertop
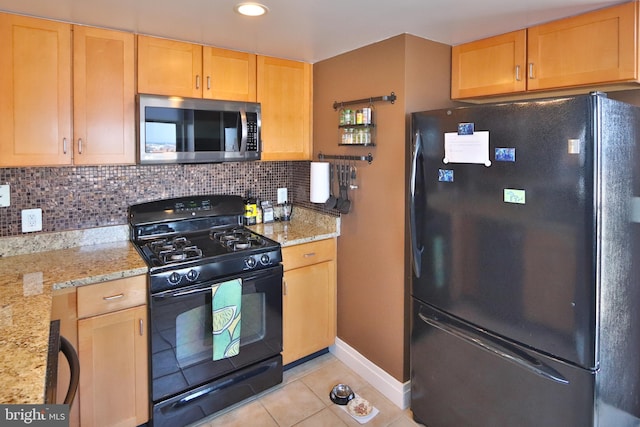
[[305, 226], [29, 276], [27, 283]]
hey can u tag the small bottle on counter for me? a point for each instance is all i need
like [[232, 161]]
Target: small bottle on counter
[[250, 208], [258, 212]]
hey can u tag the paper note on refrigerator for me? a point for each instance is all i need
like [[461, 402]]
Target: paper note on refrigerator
[[472, 148]]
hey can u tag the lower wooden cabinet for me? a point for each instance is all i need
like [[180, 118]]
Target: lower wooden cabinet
[[113, 352], [309, 298]]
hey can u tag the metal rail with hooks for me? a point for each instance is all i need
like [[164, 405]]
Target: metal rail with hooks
[[388, 98], [367, 158]]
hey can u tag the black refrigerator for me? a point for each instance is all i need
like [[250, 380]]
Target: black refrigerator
[[525, 290]]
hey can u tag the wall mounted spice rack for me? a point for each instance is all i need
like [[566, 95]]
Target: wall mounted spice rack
[[367, 158], [357, 126]]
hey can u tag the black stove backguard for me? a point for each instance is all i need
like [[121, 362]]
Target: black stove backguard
[[159, 217], [189, 245]]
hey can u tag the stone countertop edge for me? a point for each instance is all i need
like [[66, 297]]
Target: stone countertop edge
[[29, 275]]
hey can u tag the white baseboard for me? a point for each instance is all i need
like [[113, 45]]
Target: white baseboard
[[397, 392]]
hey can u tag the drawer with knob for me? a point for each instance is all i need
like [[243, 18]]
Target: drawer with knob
[[112, 296], [308, 253]]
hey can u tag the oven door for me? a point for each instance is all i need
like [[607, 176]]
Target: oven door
[[185, 314]]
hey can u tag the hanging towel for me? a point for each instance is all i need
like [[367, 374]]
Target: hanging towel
[[226, 299]]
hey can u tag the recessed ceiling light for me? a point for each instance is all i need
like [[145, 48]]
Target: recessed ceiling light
[[251, 9]]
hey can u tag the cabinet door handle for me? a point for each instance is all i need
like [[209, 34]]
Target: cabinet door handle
[[517, 73], [284, 287], [112, 297], [198, 81], [309, 255], [208, 82], [79, 145], [141, 327], [64, 145], [531, 76]]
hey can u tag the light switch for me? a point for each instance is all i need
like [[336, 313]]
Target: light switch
[[5, 195]]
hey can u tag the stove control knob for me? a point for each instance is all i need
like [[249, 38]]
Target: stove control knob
[[192, 275], [264, 259], [174, 278], [251, 262]]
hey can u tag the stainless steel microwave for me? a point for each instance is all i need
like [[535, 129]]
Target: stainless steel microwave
[[189, 130]]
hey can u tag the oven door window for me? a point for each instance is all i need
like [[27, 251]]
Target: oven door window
[[194, 340], [181, 338]]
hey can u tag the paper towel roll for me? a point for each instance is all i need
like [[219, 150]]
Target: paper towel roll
[[319, 182]]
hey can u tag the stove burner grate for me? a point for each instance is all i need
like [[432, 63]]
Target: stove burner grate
[[174, 250], [238, 239]]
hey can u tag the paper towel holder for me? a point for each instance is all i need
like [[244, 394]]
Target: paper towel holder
[[367, 158]]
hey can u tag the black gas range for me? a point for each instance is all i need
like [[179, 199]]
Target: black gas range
[[191, 245], [184, 240]]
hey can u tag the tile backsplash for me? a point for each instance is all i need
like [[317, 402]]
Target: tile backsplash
[[73, 198]]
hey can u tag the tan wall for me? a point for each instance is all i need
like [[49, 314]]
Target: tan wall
[[372, 291]]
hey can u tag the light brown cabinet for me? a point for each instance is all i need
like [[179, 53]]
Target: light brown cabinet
[[285, 93], [229, 74], [309, 300], [113, 352], [37, 106], [174, 68], [596, 49], [103, 97], [35, 83], [489, 66]]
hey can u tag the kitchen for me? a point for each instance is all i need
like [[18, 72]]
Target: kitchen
[[415, 69]]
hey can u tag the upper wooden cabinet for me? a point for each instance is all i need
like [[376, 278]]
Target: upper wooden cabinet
[[229, 74], [285, 92], [35, 83], [489, 66], [36, 107], [103, 97], [598, 49], [168, 67], [595, 48]]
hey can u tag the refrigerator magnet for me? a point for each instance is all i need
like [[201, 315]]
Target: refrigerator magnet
[[512, 195], [465, 128], [445, 175], [505, 154]]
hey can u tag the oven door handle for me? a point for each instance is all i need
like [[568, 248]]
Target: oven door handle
[[182, 293]]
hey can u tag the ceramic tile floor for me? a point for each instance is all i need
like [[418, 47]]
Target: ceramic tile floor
[[302, 400]]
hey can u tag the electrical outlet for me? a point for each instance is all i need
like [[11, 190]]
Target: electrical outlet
[[282, 195], [31, 220], [5, 195]]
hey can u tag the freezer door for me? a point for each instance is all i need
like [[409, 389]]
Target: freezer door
[[462, 376], [507, 243]]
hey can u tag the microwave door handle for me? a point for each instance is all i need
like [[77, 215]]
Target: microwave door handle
[[245, 131]]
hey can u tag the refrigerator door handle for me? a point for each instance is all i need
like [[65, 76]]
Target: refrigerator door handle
[[494, 345], [415, 250]]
